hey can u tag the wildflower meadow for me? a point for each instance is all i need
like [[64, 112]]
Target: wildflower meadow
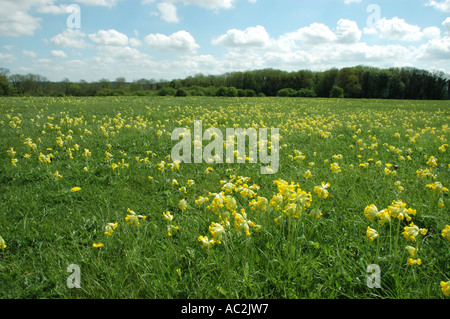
[[94, 205]]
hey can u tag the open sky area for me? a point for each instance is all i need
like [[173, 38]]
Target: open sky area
[[166, 39]]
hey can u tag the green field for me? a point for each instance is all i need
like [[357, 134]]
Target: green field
[[90, 182]]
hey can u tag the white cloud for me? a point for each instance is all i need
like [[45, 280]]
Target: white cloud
[[168, 12], [315, 34], [181, 41], [443, 5], [252, 37], [396, 29], [347, 31], [70, 38], [15, 19], [109, 38], [446, 25], [432, 33], [54, 9], [210, 4], [135, 42], [103, 3], [30, 54], [58, 54], [7, 57]]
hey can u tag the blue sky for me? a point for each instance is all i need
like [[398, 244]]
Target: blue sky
[[167, 39]]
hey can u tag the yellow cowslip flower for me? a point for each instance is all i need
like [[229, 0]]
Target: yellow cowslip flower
[[384, 217], [277, 201], [262, 203], [307, 174], [208, 170], [11, 152], [335, 168], [182, 205], [133, 218], [364, 165], [442, 148], [201, 200], [411, 250], [399, 186], [86, 153], [167, 216], [57, 176], [397, 209], [432, 161], [75, 189], [217, 230], [183, 189], [279, 219], [109, 228], [441, 202], [425, 173], [241, 223], [315, 213], [206, 243], [371, 212], [45, 159], [445, 287], [175, 166], [412, 262], [161, 166], [174, 182], [190, 182], [59, 141], [97, 245], [2, 243], [371, 233], [322, 190], [412, 231], [446, 232], [438, 187], [171, 229]]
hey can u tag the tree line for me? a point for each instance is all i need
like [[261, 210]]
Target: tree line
[[351, 82]]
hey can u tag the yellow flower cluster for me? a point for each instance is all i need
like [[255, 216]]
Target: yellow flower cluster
[[132, 218]]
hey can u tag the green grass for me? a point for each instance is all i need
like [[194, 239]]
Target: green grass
[[47, 227]]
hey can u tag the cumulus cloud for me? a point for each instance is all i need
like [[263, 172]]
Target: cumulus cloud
[[181, 41], [399, 30], [168, 12], [30, 54], [252, 37], [70, 38], [443, 5], [58, 54], [103, 3], [15, 18], [347, 31], [109, 38]]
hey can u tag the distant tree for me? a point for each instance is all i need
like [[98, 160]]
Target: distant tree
[[119, 83], [250, 93], [306, 93], [396, 87], [181, 93], [337, 92], [5, 87], [222, 91], [231, 92], [287, 92]]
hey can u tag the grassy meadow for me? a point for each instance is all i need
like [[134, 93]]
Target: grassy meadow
[[90, 182]]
